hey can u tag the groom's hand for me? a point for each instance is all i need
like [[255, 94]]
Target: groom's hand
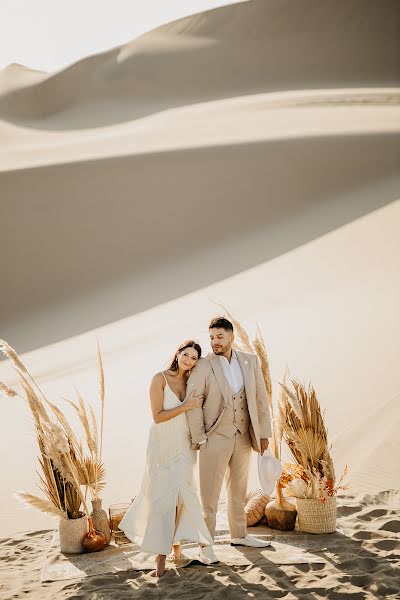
[[264, 442]]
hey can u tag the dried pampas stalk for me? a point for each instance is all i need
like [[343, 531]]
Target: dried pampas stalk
[[37, 409], [293, 400], [12, 355], [63, 421], [90, 439], [261, 351], [102, 396], [45, 506], [18, 364], [7, 391], [93, 425]]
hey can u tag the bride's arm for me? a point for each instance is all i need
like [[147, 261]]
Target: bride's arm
[[157, 401]]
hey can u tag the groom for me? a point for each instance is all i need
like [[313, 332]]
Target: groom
[[234, 419]]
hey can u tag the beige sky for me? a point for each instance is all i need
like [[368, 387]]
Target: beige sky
[[48, 35]]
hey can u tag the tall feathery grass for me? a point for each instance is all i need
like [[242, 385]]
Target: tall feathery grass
[[68, 466]]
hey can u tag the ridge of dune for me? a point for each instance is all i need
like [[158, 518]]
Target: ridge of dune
[[249, 119], [251, 47], [16, 75]]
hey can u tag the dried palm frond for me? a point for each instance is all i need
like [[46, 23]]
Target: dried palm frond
[[92, 474], [304, 429]]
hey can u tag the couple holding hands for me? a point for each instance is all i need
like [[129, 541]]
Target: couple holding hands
[[216, 405]]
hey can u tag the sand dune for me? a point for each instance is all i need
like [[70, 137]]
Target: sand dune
[[15, 76], [370, 442], [232, 107]]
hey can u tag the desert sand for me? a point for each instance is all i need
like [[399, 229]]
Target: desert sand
[[250, 156], [361, 560]]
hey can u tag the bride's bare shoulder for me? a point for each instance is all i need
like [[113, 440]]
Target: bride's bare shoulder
[[158, 379]]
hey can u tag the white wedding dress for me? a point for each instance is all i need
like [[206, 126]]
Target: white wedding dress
[[168, 484]]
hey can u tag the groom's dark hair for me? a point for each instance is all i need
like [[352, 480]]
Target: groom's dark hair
[[221, 323]]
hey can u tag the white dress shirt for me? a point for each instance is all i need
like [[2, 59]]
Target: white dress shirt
[[233, 372]]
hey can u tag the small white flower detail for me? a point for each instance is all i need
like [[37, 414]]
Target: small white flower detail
[[245, 362]]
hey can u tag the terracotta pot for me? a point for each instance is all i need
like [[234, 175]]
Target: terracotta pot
[[72, 532], [100, 520], [94, 541]]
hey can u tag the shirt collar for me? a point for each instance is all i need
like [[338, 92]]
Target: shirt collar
[[234, 357]]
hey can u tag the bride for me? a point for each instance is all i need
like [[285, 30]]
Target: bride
[[167, 508]]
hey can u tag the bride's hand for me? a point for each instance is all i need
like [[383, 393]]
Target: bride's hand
[[194, 401]]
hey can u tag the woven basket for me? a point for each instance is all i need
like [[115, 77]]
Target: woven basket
[[315, 516]]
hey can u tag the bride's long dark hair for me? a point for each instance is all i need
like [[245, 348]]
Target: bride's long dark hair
[[173, 366]]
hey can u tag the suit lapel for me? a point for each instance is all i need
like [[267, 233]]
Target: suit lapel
[[219, 376], [247, 376]]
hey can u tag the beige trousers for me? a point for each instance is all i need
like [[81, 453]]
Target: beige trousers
[[225, 457]]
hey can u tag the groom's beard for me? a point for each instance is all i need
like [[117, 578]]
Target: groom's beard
[[221, 350]]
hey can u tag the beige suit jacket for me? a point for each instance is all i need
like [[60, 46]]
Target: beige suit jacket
[[208, 378]]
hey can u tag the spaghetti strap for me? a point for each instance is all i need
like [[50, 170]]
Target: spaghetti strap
[[164, 376]]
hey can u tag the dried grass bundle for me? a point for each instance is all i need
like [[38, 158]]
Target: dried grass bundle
[[304, 431], [65, 466], [303, 426], [92, 470]]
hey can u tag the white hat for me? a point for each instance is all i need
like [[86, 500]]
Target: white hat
[[269, 470]]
